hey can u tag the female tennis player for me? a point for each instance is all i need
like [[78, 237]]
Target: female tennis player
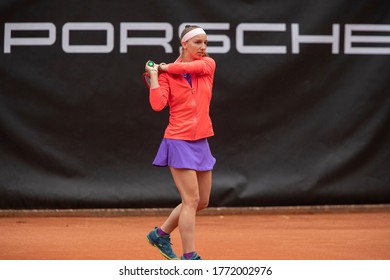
[[186, 87]]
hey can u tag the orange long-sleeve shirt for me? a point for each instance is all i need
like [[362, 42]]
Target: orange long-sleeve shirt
[[188, 106]]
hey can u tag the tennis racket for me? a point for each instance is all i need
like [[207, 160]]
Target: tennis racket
[[146, 79], [146, 75]]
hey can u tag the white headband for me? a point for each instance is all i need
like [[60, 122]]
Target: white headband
[[192, 34]]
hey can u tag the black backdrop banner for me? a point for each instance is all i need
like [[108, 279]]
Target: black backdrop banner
[[301, 102]]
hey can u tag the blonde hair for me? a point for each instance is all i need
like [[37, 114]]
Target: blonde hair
[[187, 29]]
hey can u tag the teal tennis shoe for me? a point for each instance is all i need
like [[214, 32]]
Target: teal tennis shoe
[[162, 243]]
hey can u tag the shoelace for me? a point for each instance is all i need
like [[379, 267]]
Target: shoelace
[[167, 238]]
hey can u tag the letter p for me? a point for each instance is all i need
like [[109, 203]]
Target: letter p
[[28, 41]]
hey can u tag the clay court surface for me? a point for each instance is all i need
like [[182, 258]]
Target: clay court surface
[[279, 235]]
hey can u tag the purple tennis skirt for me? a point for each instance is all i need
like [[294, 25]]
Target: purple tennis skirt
[[194, 155]]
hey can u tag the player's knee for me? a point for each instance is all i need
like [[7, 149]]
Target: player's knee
[[202, 204], [192, 202]]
